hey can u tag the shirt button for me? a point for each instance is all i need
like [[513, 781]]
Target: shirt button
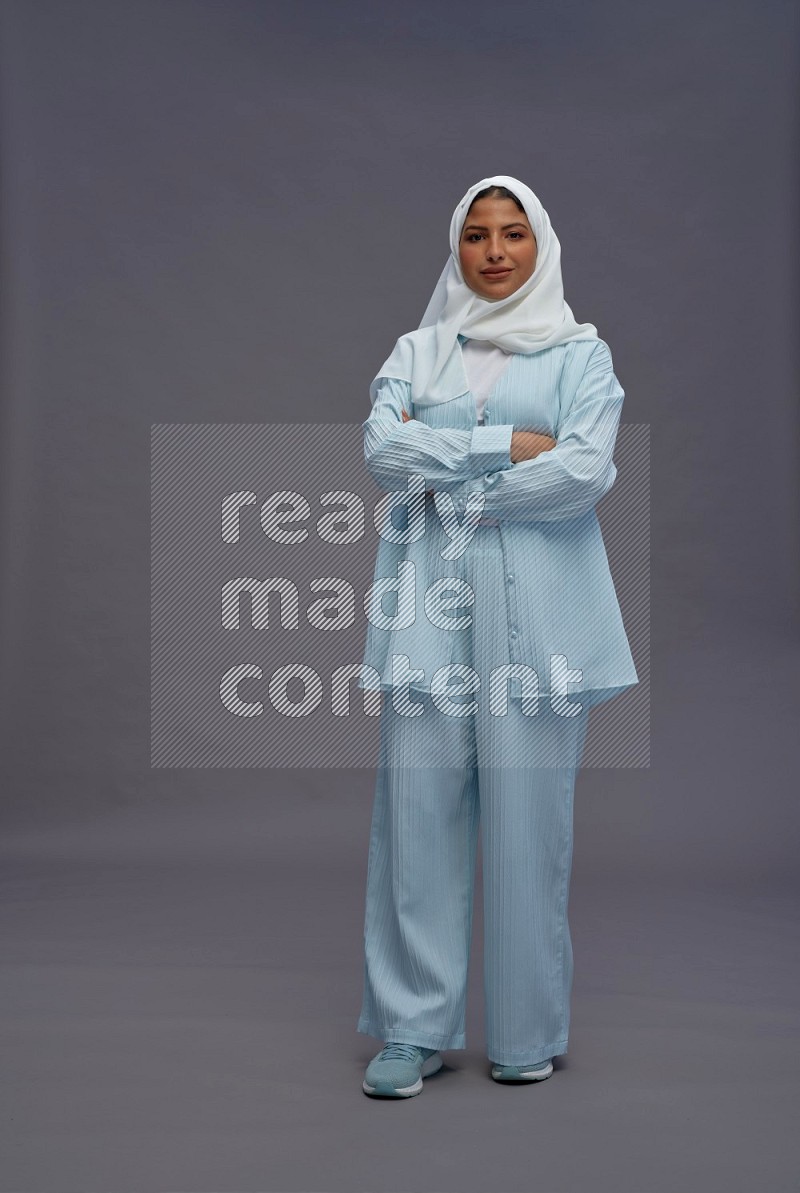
[[510, 577], [513, 632]]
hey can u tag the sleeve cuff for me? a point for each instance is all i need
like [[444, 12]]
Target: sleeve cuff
[[491, 448]]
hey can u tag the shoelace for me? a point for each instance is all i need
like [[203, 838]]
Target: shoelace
[[399, 1052]]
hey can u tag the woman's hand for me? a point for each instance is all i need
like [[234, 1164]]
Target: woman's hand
[[527, 445]]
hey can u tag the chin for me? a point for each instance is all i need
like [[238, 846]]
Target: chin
[[494, 294]]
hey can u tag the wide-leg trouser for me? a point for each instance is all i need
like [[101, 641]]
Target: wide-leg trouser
[[439, 778]]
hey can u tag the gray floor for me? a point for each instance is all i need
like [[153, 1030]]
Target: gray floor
[[182, 978], [165, 1030]]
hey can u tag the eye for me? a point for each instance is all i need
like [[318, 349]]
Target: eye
[[473, 236], [521, 235]]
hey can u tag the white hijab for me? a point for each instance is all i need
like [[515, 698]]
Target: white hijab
[[534, 317]]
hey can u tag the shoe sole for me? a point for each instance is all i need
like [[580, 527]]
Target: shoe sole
[[385, 1089], [541, 1075]]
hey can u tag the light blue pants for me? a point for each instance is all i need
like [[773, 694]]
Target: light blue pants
[[439, 778]]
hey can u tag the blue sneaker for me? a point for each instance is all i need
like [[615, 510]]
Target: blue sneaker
[[526, 1073], [398, 1069]]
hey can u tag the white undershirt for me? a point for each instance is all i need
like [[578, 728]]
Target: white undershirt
[[483, 364]]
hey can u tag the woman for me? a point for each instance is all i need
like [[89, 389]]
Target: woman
[[496, 421]]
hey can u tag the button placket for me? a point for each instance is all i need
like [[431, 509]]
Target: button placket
[[511, 602]]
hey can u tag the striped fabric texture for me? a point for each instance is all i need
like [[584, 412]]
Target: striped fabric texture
[[482, 754], [439, 777], [552, 589]]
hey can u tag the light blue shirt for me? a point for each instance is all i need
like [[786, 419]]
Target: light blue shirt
[[545, 510]]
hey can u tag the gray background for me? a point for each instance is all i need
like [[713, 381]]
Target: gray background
[[218, 212]]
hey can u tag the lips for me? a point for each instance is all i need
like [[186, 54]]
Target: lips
[[495, 273]]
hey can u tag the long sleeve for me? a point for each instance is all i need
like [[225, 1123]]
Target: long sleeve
[[572, 477], [394, 449]]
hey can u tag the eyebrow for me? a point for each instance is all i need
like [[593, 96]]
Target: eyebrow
[[483, 228]]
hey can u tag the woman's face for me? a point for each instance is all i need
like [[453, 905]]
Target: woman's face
[[497, 248]]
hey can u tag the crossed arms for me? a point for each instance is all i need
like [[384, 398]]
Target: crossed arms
[[524, 475]]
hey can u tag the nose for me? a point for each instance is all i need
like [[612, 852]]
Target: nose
[[494, 249]]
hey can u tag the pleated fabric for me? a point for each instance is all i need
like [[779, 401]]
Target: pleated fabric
[[440, 777]]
